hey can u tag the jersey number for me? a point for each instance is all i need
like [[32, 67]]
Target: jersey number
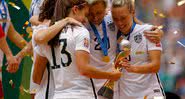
[[97, 46], [64, 52]]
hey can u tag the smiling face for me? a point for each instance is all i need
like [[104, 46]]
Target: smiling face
[[123, 18], [97, 13]]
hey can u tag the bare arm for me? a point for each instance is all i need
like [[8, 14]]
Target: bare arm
[[39, 68], [27, 50], [44, 36], [12, 62], [152, 67], [15, 37], [82, 61]]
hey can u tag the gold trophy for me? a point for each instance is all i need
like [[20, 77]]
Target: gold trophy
[[107, 90]]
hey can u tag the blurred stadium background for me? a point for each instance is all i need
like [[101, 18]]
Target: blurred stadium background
[[168, 14]]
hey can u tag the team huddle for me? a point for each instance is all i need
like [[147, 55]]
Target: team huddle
[[75, 42]]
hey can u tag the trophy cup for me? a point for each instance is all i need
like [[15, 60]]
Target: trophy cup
[[107, 90]]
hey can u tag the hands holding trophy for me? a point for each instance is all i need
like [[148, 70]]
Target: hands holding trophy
[[107, 90]]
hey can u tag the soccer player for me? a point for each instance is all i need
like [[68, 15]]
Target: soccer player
[[7, 29], [69, 58], [103, 35], [11, 60], [96, 18], [140, 79]]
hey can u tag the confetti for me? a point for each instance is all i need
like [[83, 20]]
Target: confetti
[[30, 35], [162, 15], [25, 24], [11, 82], [175, 32], [14, 5], [181, 3], [156, 13], [29, 29]]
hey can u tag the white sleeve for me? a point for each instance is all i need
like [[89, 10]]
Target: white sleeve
[[83, 41], [154, 46], [150, 45], [40, 50]]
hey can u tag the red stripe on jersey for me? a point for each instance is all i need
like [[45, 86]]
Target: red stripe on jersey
[[2, 34], [158, 45]]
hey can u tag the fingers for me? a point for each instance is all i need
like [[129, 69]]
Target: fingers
[[12, 68], [74, 22]]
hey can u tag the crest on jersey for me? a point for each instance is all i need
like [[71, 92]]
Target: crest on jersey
[[138, 38], [86, 42], [112, 26]]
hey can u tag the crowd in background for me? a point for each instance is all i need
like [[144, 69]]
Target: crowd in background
[[168, 14]]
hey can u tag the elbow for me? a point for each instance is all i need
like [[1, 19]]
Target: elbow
[[36, 79], [83, 71], [39, 40], [156, 68]]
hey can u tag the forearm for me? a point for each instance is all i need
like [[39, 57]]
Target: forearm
[[28, 50], [16, 38], [5, 48], [19, 41], [146, 68], [39, 68], [91, 72], [44, 36]]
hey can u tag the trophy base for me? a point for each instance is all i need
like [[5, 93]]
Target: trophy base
[[106, 92]]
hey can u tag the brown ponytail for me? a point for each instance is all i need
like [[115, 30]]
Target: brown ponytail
[[62, 10]]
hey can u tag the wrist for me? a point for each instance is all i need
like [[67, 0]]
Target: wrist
[[110, 75]]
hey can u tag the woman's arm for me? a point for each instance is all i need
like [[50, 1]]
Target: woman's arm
[[152, 67], [82, 61], [15, 37], [45, 35], [39, 68], [12, 62]]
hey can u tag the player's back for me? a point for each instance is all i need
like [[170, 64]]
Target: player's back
[[68, 81]]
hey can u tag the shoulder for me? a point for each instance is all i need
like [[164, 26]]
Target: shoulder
[[81, 30], [141, 28]]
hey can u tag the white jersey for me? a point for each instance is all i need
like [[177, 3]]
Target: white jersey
[[138, 86], [4, 12], [96, 52], [42, 88], [68, 81], [35, 7]]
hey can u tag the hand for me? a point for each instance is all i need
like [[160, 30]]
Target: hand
[[154, 34], [72, 21], [122, 62], [116, 74], [12, 64], [19, 58], [129, 68]]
